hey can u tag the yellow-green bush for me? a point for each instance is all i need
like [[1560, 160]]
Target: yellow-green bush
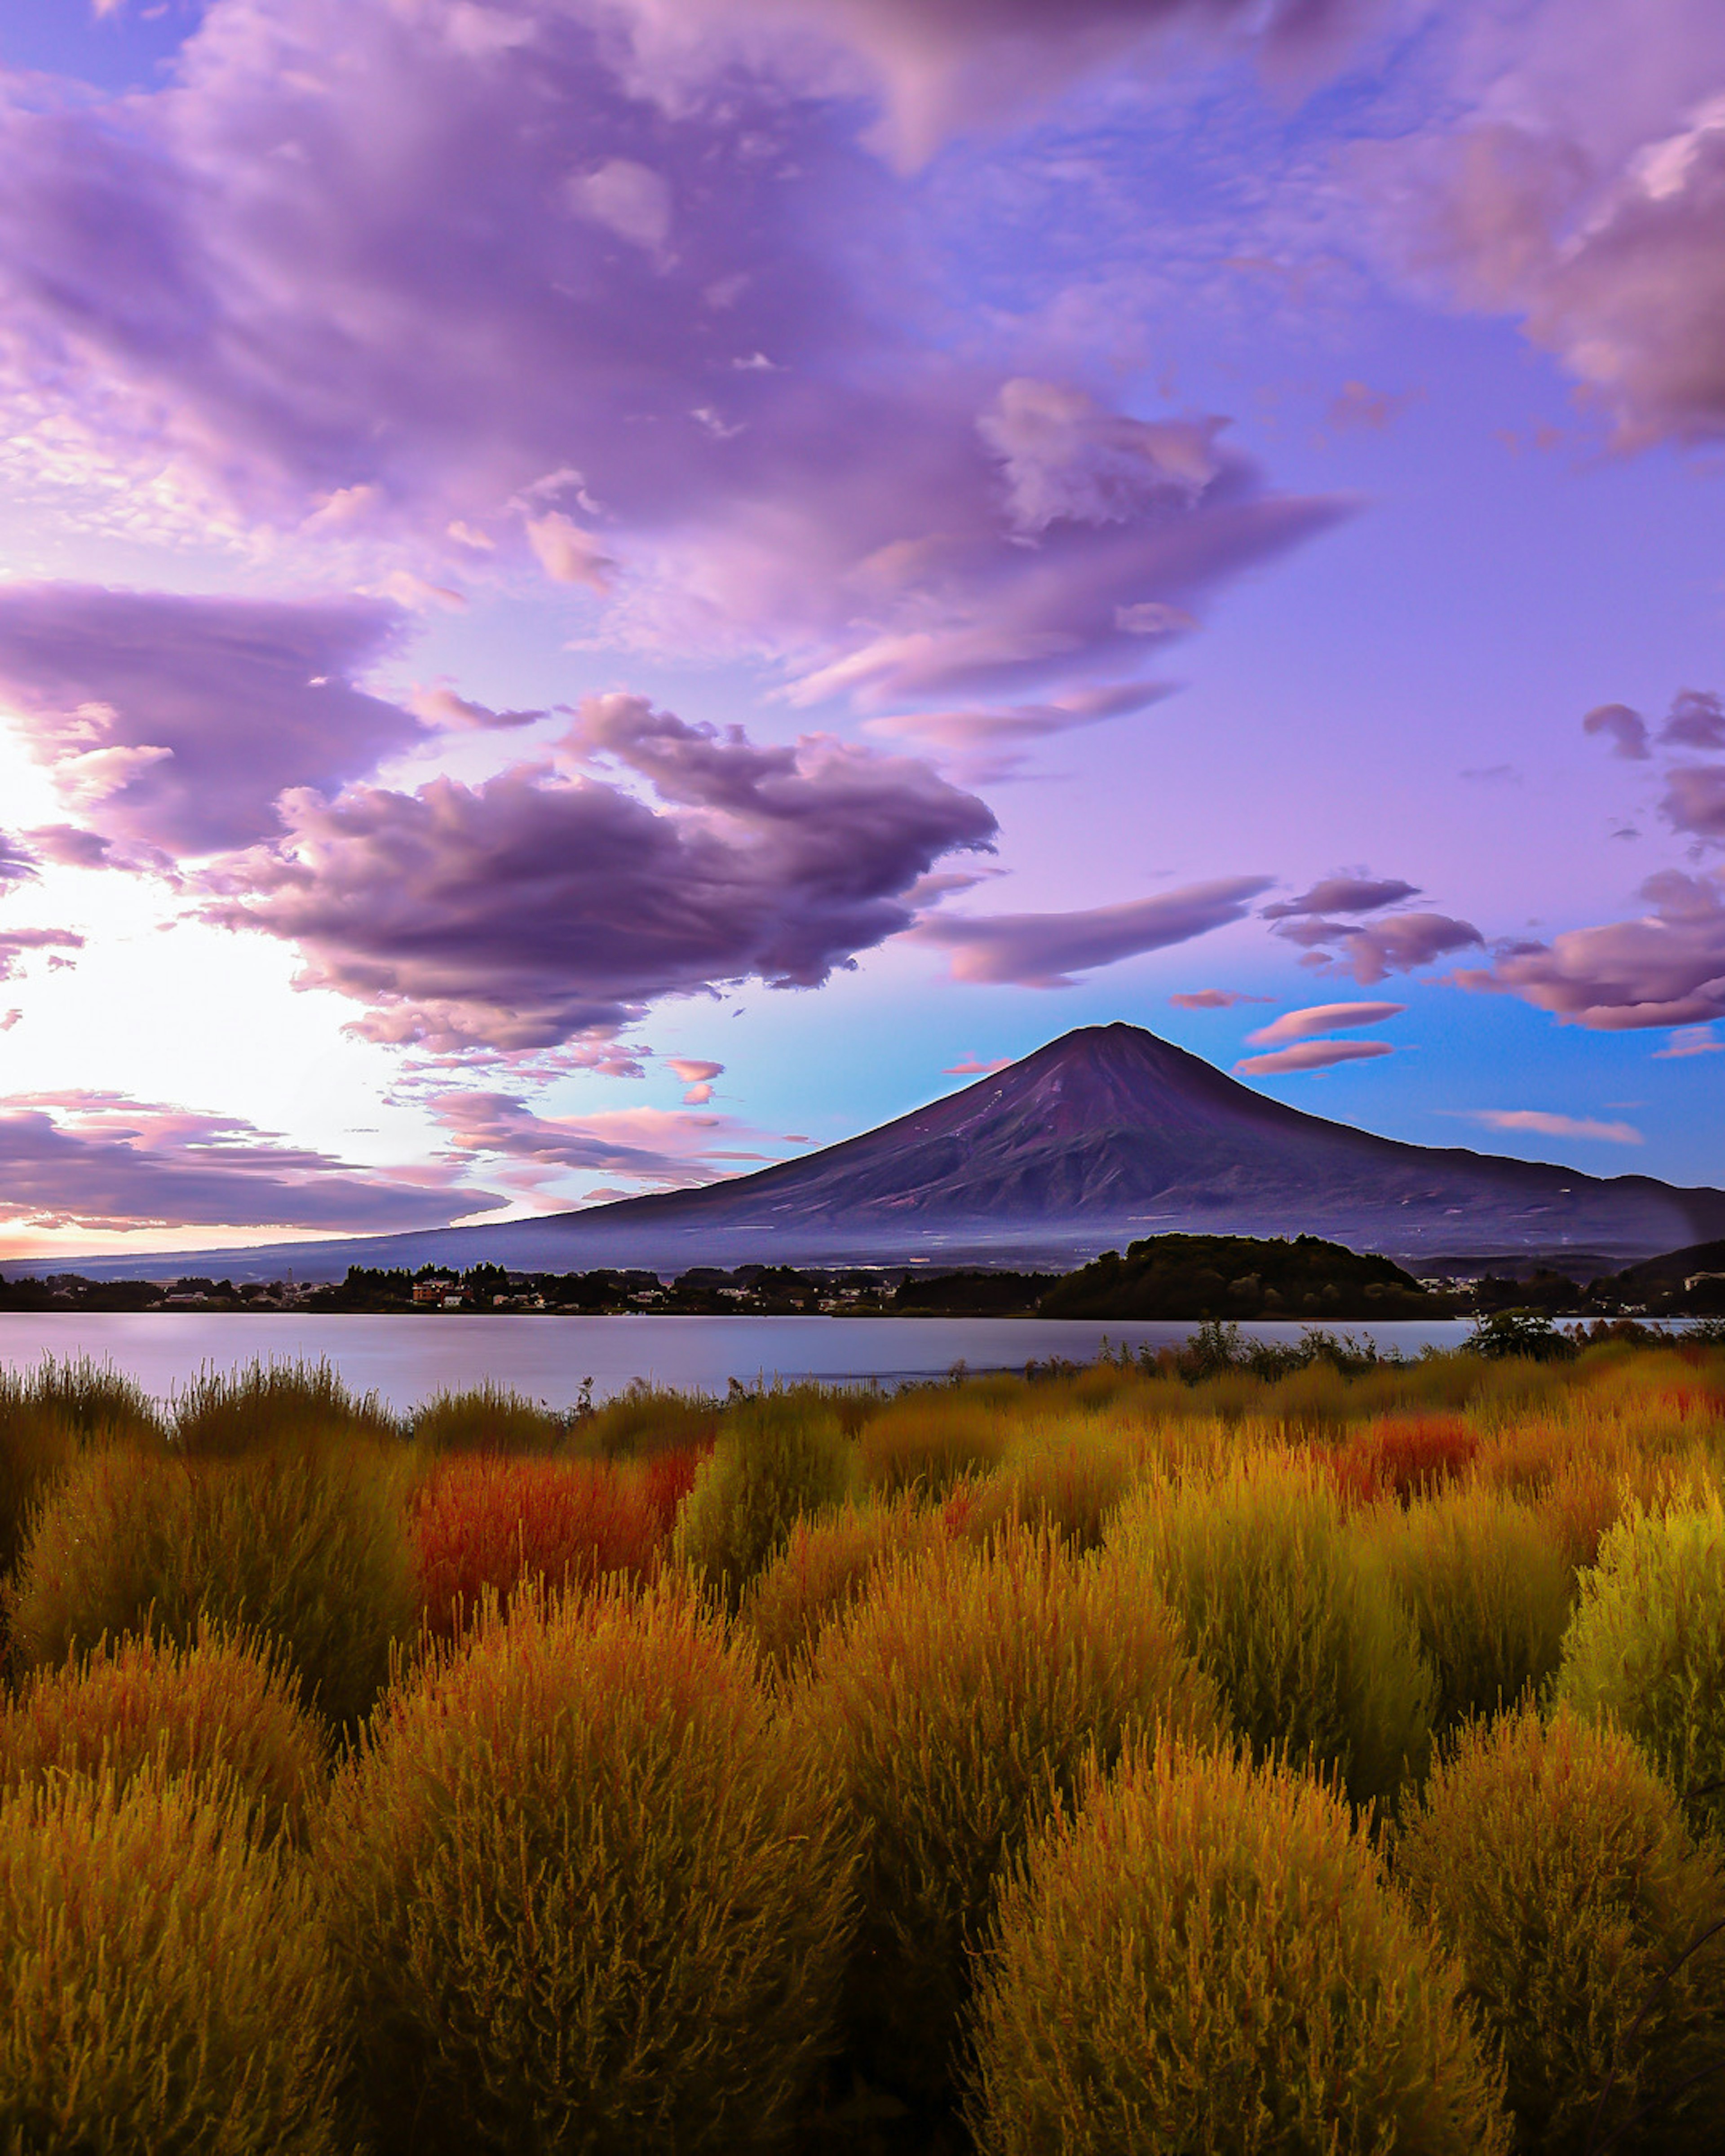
[[953, 1704], [484, 1418], [1646, 1645], [166, 1988], [97, 1401], [825, 1565], [928, 1438], [1070, 1476], [588, 1889], [1314, 1653], [308, 1548], [1490, 1587], [644, 1419], [223, 1709], [1208, 1960], [771, 1464], [266, 1406], [1555, 1863]]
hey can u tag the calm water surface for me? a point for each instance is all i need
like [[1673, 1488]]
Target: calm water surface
[[408, 1357]]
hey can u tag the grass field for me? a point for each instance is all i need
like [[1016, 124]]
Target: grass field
[[1190, 1753]]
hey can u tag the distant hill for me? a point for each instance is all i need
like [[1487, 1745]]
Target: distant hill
[[1101, 1138], [1238, 1276]]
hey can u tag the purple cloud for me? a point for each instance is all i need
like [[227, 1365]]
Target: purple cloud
[[942, 64], [1697, 720], [1321, 1017], [530, 910], [16, 944], [649, 348], [1048, 950], [1626, 730], [1556, 1126], [1312, 1056], [1214, 1000], [656, 1145], [174, 722], [1582, 191], [17, 863], [100, 1160], [1667, 968], [1342, 894], [1395, 943], [1695, 799]]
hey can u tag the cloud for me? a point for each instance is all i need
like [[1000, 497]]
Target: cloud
[[532, 909], [1580, 187], [1396, 944], [1695, 799], [1017, 723], [100, 1160], [1697, 720], [1627, 730], [1342, 894], [16, 944], [175, 721], [1690, 1040], [1312, 1056], [938, 65], [655, 1146], [1556, 1126], [18, 863], [1666, 968], [1214, 1000], [1047, 950], [697, 1076], [1321, 1017], [439, 705], [667, 283], [972, 1066], [1356, 409]]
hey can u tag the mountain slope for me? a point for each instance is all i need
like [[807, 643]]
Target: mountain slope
[[1104, 1136]]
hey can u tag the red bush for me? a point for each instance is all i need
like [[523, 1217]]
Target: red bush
[[667, 1478], [481, 1521], [1402, 1456]]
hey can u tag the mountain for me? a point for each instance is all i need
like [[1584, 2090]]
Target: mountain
[[1101, 1138]]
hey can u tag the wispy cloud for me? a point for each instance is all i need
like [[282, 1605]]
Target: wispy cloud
[[1312, 1056], [1548, 1124]]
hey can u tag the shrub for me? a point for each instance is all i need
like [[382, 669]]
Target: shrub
[[1491, 1588], [929, 1437], [954, 1705], [644, 1419], [769, 1465], [486, 1418], [1071, 1477], [481, 1521], [97, 1400], [1314, 1654], [309, 1549], [224, 1414], [588, 1890], [1646, 1645], [667, 1477], [224, 1710], [139, 2019], [1555, 1863], [825, 1566], [1209, 1958], [1404, 1456]]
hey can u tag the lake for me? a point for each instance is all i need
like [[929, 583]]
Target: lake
[[406, 1358]]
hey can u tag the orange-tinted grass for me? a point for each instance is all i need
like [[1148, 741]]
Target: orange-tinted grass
[[1403, 1456], [481, 1521], [667, 1477]]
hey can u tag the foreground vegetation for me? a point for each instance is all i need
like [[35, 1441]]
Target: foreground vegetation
[[1232, 1750]]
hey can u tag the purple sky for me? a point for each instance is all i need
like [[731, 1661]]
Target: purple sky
[[597, 591]]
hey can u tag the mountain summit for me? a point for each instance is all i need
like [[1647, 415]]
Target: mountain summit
[[1101, 1137]]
